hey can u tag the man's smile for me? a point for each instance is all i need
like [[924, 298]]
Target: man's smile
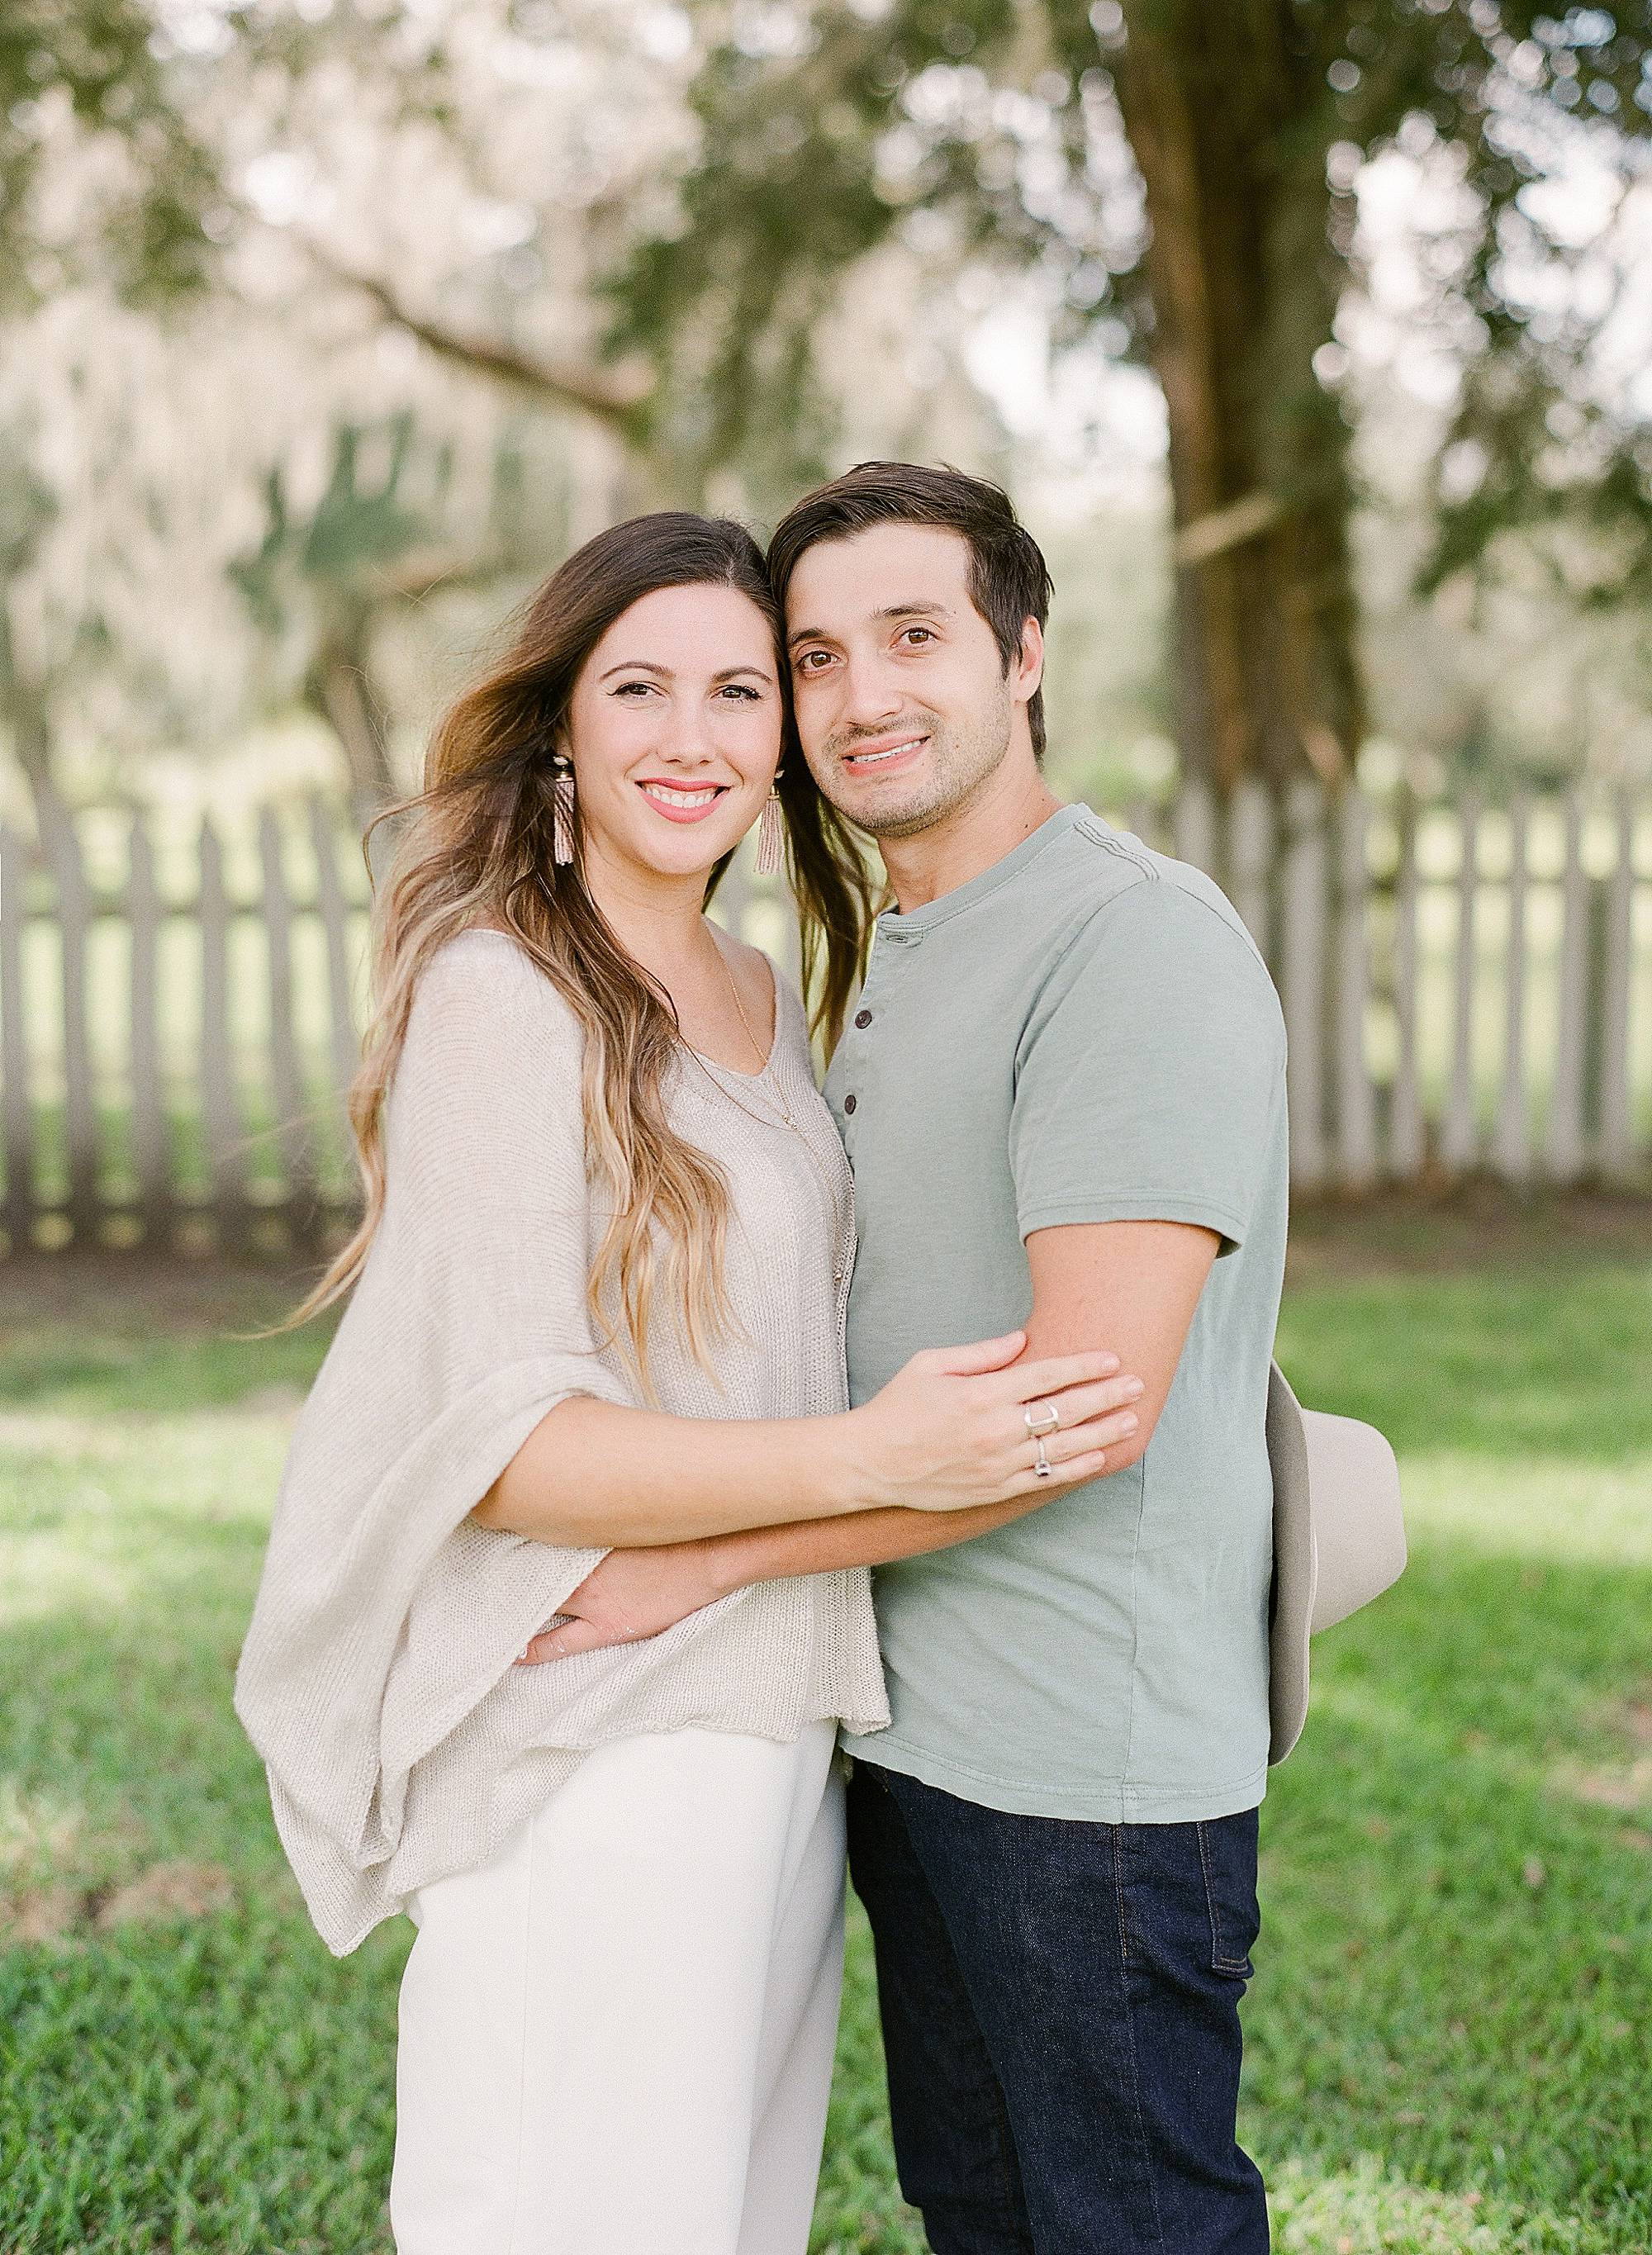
[[890, 753]]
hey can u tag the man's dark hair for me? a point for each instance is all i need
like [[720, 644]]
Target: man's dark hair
[[1009, 580]]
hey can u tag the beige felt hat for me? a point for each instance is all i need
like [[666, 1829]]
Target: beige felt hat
[[1339, 1539]]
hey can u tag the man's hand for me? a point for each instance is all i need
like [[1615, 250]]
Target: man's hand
[[632, 1594]]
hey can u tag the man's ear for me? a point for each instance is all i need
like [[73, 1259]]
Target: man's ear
[[1026, 673]]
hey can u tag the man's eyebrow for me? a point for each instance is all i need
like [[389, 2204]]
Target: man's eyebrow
[[884, 616]]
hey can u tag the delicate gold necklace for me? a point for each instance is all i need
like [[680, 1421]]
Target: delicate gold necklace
[[765, 1059], [771, 1086]]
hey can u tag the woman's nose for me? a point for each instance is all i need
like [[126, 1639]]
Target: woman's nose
[[688, 746]]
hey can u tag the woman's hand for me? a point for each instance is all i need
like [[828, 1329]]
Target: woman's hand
[[947, 1431], [950, 1429], [630, 1595]]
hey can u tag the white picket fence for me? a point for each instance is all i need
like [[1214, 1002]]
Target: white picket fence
[[1467, 990], [175, 1041]]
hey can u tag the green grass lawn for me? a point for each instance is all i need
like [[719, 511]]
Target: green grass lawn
[[1449, 2032]]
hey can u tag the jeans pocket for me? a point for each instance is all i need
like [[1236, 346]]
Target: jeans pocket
[[1227, 1857]]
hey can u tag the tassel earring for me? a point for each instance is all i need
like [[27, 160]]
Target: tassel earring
[[562, 810], [768, 831]]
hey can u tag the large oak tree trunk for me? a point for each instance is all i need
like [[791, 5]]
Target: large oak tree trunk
[[1227, 120]]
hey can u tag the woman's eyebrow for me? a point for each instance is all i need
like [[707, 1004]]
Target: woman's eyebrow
[[665, 672]]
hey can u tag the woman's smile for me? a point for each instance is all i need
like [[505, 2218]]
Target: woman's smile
[[681, 802]]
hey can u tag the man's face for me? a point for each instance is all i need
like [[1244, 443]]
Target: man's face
[[903, 705]]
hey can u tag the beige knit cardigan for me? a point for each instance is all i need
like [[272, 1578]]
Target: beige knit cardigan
[[377, 1679]]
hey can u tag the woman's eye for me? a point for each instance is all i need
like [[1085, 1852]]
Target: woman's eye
[[739, 690], [625, 687]]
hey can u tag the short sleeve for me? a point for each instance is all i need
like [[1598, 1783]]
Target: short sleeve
[[1151, 1071]]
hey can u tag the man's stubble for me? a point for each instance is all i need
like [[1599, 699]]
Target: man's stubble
[[960, 762]]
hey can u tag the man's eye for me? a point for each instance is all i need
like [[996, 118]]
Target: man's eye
[[805, 663], [922, 633]]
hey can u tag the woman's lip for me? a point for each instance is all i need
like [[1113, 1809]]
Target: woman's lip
[[713, 798], [890, 766]]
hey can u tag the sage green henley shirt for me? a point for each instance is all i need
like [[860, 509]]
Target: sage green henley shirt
[[1083, 1033]]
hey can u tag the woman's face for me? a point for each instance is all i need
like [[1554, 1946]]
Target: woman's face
[[674, 729]]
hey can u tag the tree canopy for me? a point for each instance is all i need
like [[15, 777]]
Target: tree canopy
[[825, 129], [1180, 175], [729, 239]]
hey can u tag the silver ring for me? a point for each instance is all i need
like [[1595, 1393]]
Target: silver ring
[[1041, 1463], [1048, 1419]]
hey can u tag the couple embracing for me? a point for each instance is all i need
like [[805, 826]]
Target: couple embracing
[[652, 1352]]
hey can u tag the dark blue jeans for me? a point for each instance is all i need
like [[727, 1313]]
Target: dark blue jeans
[[1060, 2006]]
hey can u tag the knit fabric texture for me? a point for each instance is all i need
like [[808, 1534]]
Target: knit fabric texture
[[376, 1680]]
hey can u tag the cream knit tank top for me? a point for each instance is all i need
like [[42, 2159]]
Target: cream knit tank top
[[377, 1679]]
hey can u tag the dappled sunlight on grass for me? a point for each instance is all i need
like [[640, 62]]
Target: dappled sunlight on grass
[[1457, 1959], [125, 1520], [1500, 1367], [1447, 2032], [1367, 2211], [1545, 1507]]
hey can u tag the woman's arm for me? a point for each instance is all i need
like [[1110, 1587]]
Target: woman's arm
[[481, 1246], [1135, 1282], [638, 1593], [861, 1538], [947, 1433], [593, 1473]]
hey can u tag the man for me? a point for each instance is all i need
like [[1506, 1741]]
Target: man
[[1063, 1095]]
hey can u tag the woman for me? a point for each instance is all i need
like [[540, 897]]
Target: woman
[[597, 1292]]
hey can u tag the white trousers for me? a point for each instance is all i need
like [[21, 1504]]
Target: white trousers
[[616, 2036]]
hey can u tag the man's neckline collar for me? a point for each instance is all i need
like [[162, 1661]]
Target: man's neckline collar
[[920, 920]]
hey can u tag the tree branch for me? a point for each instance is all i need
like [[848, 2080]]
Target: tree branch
[[1219, 529], [612, 396]]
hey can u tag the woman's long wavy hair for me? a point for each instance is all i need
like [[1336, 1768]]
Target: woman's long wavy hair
[[477, 848]]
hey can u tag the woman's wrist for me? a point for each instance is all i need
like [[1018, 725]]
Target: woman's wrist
[[725, 1564], [839, 1469]]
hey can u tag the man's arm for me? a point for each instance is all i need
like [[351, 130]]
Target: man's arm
[[1128, 1286], [1134, 1283]]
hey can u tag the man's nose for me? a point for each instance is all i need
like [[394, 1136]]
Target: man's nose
[[871, 692]]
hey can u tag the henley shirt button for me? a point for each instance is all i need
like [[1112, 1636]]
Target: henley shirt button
[[848, 1104], [863, 1017]]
